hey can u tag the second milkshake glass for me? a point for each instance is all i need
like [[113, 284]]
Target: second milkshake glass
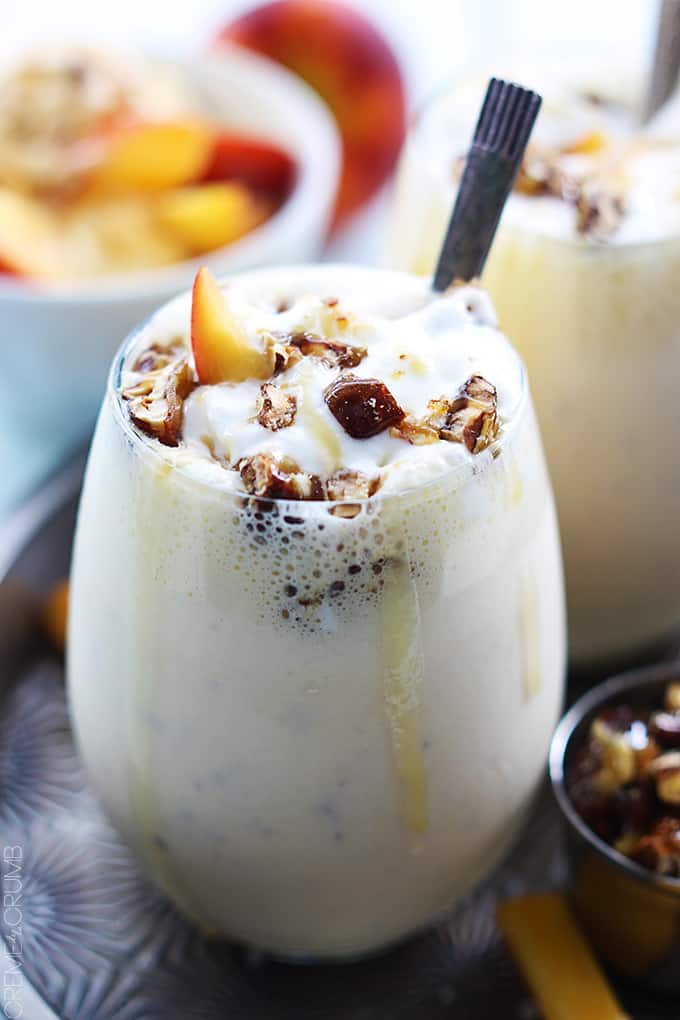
[[598, 325]]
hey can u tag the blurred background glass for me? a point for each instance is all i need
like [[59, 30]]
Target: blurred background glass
[[434, 41]]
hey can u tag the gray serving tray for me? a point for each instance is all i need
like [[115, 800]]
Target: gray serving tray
[[96, 941]]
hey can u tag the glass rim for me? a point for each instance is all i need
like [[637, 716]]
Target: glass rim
[[150, 447]]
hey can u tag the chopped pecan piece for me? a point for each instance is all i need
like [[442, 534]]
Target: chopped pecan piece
[[438, 413], [536, 176], [472, 417], [276, 409], [334, 353], [616, 756], [263, 475], [158, 356], [672, 697], [540, 174], [599, 204], [665, 727], [598, 211], [414, 432], [646, 754], [364, 407], [280, 352], [478, 388], [345, 510], [347, 484], [659, 850], [665, 770], [156, 399]]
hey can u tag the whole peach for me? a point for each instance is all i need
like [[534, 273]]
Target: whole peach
[[344, 57]]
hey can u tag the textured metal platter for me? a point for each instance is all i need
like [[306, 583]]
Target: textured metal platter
[[93, 940]]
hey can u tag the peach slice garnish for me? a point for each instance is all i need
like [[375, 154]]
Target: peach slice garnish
[[153, 157], [222, 350], [209, 216], [29, 239]]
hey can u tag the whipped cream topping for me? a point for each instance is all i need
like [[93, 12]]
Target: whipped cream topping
[[642, 166], [420, 345]]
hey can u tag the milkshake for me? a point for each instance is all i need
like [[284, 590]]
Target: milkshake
[[582, 274], [317, 631]]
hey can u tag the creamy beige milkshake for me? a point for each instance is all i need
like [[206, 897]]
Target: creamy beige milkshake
[[317, 631], [583, 274]]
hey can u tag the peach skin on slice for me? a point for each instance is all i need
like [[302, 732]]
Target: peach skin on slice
[[256, 163], [209, 216], [29, 238], [153, 157], [222, 351]]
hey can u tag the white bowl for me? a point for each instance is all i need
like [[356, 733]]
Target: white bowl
[[56, 343]]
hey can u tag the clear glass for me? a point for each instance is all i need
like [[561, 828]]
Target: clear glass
[[317, 731], [598, 327]]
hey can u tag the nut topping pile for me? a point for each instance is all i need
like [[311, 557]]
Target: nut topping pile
[[263, 475], [164, 379], [346, 484], [625, 782], [226, 354], [470, 418], [598, 197], [598, 211], [286, 349], [331, 352]]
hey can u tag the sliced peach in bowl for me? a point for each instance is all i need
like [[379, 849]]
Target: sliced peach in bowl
[[29, 239], [153, 157], [259, 164], [209, 216], [118, 233]]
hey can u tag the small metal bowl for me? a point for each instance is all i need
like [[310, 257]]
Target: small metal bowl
[[631, 915]]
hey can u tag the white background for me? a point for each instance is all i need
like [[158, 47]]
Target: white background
[[434, 38]]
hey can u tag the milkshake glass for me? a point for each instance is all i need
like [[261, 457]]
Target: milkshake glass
[[317, 699]]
